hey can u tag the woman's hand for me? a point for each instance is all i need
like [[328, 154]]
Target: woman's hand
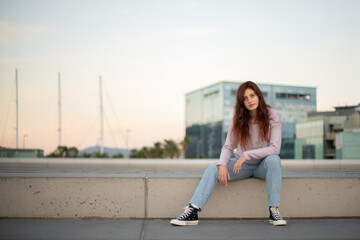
[[238, 164], [223, 174]]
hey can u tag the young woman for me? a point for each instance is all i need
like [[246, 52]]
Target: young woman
[[256, 133]]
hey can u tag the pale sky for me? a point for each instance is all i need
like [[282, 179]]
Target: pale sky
[[150, 53]]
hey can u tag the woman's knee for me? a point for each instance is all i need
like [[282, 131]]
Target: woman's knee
[[272, 161], [213, 168]]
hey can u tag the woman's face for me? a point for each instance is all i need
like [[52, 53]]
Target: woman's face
[[251, 100]]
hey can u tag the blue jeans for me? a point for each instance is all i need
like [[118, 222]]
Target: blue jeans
[[269, 169]]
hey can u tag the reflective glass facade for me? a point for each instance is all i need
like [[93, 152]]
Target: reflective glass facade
[[309, 143], [209, 111], [348, 145]]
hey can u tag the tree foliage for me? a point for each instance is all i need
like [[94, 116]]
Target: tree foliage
[[119, 155], [73, 152], [64, 152], [168, 149]]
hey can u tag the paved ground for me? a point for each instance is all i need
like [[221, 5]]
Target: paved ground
[[14, 229]]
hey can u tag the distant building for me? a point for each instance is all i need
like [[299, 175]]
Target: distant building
[[209, 110], [329, 135], [21, 153]]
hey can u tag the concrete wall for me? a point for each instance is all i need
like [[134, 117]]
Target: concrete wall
[[72, 197], [248, 198], [165, 198], [136, 193]]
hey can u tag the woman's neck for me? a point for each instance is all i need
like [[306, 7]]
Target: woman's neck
[[253, 121], [253, 117]]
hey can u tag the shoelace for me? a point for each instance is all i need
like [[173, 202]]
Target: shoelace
[[275, 212], [186, 213]]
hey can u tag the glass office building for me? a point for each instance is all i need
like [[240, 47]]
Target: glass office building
[[209, 110], [329, 135]]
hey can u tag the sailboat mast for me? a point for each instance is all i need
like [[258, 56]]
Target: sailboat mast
[[59, 81], [17, 109], [101, 119]]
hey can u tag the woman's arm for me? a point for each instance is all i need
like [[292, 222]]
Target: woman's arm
[[228, 148], [225, 156]]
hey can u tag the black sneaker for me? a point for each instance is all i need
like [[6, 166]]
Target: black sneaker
[[275, 217], [189, 217]]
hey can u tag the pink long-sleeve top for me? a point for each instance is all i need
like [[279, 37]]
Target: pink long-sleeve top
[[259, 149]]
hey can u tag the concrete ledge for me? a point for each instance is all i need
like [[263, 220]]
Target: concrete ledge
[[72, 197], [160, 163], [300, 198], [160, 193]]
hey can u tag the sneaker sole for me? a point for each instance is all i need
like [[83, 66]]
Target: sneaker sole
[[184, 223], [278, 223]]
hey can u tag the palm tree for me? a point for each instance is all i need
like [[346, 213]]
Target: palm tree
[[185, 143], [171, 149], [134, 153], [85, 155], [144, 152], [73, 152], [62, 151], [157, 151], [119, 155], [99, 155]]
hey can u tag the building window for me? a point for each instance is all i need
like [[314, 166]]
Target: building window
[[293, 96], [233, 93], [210, 94], [308, 152]]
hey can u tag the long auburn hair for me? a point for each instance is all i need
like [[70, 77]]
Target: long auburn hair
[[241, 119]]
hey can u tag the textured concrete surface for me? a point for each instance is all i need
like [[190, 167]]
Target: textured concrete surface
[[311, 229], [304, 197], [162, 193], [72, 197]]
